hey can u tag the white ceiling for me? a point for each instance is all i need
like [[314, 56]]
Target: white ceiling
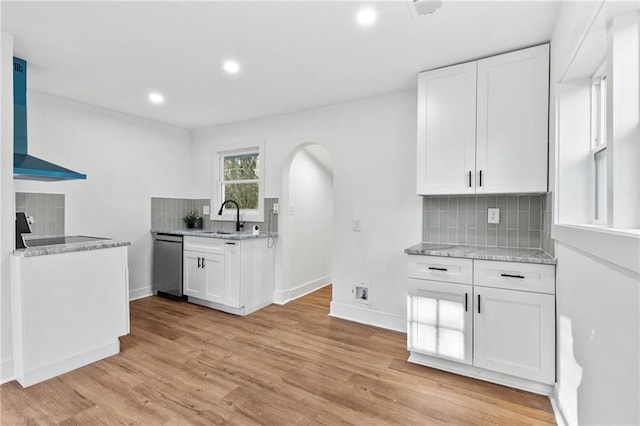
[[294, 55]]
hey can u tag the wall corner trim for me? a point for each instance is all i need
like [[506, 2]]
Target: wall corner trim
[[7, 374], [282, 297], [557, 411], [140, 293]]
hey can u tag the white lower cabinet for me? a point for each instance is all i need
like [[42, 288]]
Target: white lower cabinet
[[205, 277], [504, 334], [235, 276], [441, 322], [514, 333]]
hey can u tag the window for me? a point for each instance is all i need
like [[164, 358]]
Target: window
[[599, 146], [239, 176], [241, 179]]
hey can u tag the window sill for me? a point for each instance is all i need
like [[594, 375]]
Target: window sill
[[620, 247]]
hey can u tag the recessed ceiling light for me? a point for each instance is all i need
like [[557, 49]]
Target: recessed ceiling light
[[366, 17], [156, 98], [232, 67]]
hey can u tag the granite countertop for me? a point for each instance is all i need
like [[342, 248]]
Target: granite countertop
[[209, 233], [97, 244], [504, 254]]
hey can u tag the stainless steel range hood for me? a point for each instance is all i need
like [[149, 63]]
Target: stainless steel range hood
[[26, 166]]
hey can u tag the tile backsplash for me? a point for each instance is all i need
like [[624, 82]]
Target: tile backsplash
[[47, 211], [167, 213], [524, 220]]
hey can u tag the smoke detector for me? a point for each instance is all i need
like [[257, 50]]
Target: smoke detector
[[423, 7]]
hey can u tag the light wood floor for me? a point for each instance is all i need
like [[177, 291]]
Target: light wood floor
[[185, 364]]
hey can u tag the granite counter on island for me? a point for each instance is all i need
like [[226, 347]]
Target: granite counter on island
[[504, 254], [66, 244]]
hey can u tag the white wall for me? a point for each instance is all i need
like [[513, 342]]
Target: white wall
[[598, 302], [310, 227], [127, 161], [6, 203], [598, 306], [372, 143]]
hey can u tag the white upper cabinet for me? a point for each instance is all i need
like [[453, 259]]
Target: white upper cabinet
[[447, 123], [483, 125], [512, 130]]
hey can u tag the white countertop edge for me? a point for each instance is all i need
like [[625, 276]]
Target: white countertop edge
[[619, 247]]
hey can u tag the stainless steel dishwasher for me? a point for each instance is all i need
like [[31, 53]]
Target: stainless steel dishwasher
[[167, 266]]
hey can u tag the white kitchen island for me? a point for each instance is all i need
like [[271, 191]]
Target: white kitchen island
[[70, 305]]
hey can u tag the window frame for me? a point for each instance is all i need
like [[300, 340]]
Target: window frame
[[598, 142], [240, 148]]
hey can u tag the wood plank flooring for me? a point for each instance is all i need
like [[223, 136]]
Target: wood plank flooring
[[185, 364]]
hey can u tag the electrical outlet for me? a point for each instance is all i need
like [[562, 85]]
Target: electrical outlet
[[276, 208], [361, 292], [205, 209], [357, 225], [493, 216], [291, 210]]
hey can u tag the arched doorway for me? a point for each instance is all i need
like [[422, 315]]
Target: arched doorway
[[306, 221]]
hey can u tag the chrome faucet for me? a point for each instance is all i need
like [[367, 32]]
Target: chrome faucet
[[238, 225]]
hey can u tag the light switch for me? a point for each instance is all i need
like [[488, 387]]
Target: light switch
[[493, 216], [357, 225], [205, 209]]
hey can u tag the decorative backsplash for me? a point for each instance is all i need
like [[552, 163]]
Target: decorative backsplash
[[46, 210], [524, 220], [167, 213]]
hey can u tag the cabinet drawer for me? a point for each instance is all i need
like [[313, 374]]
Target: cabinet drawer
[[515, 276], [448, 269], [204, 245]]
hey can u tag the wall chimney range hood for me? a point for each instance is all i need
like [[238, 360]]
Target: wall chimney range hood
[[25, 166]]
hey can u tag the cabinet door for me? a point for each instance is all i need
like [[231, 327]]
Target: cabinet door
[[233, 290], [512, 132], [447, 130], [192, 278], [214, 278], [514, 333], [439, 320]]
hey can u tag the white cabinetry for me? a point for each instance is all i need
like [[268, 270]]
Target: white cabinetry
[[483, 125], [207, 268], [68, 310], [498, 326], [235, 276], [447, 130], [515, 333]]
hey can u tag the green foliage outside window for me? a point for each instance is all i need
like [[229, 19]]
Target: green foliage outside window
[[241, 174]]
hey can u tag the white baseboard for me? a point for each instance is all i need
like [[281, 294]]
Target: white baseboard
[[368, 316], [282, 297], [481, 373], [245, 310], [6, 371], [40, 374], [140, 293], [557, 412]]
